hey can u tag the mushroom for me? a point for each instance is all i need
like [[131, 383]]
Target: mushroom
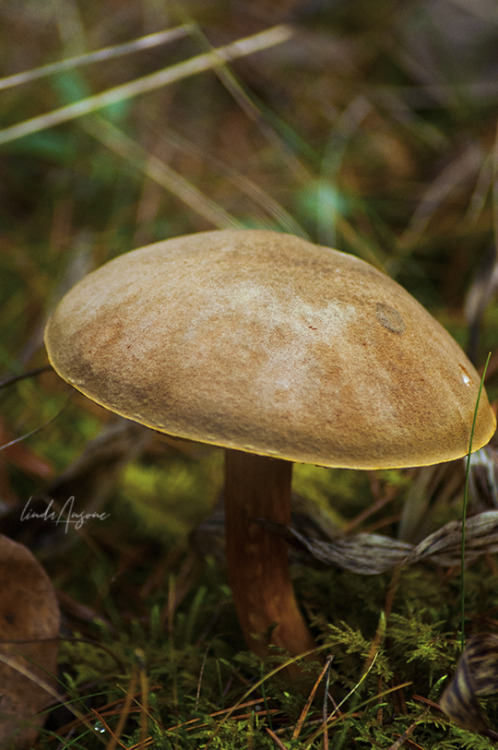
[[278, 351]]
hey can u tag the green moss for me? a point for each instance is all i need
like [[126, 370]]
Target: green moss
[[167, 501]]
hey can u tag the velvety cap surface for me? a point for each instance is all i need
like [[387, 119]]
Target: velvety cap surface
[[263, 342]]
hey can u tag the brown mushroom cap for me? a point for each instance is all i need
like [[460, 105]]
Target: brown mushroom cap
[[263, 342]]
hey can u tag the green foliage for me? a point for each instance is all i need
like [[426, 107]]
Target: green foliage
[[167, 502], [341, 492], [351, 651], [87, 660], [421, 639]]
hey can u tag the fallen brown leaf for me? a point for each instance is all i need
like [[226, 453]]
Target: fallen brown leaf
[[476, 674], [29, 630]]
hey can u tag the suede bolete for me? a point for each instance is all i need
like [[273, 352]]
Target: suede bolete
[[279, 351]]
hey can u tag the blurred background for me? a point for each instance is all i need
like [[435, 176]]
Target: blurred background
[[369, 127]]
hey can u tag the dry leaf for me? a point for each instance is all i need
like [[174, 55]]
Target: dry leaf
[[371, 554], [476, 674], [29, 630], [314, 541], [366, 554]]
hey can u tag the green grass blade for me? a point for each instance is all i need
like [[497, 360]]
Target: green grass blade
[[464, 507], [199, 64]]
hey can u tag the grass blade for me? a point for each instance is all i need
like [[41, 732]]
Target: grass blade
[[117, 50], [464, 508], [199, 64]]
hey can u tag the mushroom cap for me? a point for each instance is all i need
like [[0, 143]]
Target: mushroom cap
[[263, 342]]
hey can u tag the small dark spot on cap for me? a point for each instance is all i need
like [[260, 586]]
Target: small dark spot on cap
[[9, 617], [390, 318]]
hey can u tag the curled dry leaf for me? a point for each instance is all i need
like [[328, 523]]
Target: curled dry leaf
[[363, 553], [370, 554], [476, 674], [29, 629]]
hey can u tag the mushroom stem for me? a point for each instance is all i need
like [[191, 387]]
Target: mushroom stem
[[257, 560]]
